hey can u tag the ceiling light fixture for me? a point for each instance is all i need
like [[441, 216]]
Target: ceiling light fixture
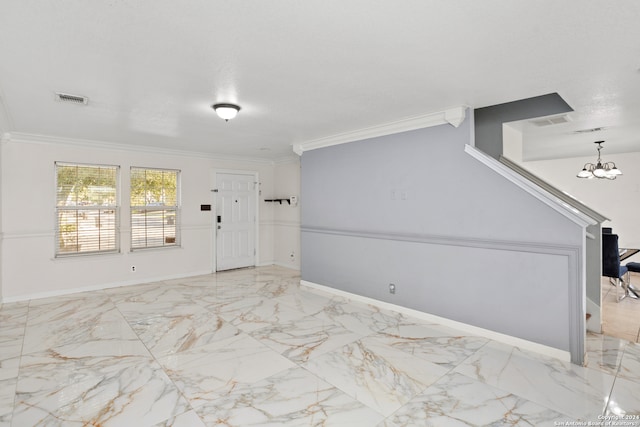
[[600, 170], [226, 111]]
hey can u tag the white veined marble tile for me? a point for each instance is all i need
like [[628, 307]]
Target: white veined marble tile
[[121, 293], [437, 344], [221, 307], [294, 397], [180, 328], [9, 367], [11, 341], [201, 373], [202, 280], [361, 318], [13, 320], [71, 298], [276, 289], [258, 312], [68, 308], [630, 364], [377, 375], [57, 390], [304, 338], [13, 314], [7, 394], [457, 400], [625, 400], [307, 302], [604, 352], [151, 293], [135, 311], [108, 327], [188, 419], [573, 390], [212, 297]]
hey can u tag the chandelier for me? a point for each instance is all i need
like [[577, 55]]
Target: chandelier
[[600, 170]]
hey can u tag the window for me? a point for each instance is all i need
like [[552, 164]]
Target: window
[[155, 216], [87, 215]]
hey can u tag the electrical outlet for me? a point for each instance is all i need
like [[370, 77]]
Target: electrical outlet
[[292, 256], [133, 268], [392, 288]]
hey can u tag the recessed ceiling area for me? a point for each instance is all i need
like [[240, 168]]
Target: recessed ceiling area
[[308, 70], [574, 138]]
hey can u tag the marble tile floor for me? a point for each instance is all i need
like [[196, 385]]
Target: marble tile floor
[[620, 319], [252, 347]]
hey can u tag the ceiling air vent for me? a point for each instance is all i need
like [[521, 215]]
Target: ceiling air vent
[[598, 129], [549, 121], [73, 99]]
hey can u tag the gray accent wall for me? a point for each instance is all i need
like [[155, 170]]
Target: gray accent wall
[[457, 240], [593, 244], [593, 263], [489, 120]]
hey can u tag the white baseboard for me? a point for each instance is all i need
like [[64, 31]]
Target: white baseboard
[[288, 265], [594, 323], [61, 292], [474, 330], [264, 264]]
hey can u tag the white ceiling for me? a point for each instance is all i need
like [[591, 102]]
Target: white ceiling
[[303, 70]]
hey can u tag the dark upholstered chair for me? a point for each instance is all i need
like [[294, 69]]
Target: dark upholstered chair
[[611, 267], [633, 267]]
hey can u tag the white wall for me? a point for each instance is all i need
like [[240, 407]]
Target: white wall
[[617, 200], [4, 127], [287, 217], [28, 266]]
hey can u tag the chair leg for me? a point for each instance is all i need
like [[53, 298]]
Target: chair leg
[[621, 284], [618, 298], [631, 291]]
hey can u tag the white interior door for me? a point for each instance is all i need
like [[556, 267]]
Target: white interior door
[[235, 221]]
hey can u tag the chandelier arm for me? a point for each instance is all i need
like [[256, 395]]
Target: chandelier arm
[[600, 170]]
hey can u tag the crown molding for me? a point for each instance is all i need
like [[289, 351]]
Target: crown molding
[[20, 137], [453, 116], [287, 160]]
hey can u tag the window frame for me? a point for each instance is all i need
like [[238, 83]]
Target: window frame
[[84, 209], [151, 208]]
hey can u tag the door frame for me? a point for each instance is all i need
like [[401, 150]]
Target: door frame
[[214, 225]]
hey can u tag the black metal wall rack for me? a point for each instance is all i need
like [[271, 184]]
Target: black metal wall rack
[[278, 200]]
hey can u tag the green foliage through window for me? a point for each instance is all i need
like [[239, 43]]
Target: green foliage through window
[[154, 187], [154, 208], [87, 215]]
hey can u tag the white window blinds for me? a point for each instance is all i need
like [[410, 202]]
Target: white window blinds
[[155, 214], [87, 213]]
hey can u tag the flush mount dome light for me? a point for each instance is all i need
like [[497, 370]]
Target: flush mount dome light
[[226, 111]]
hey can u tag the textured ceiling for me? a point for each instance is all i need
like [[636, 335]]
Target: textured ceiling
[[303, 70]]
